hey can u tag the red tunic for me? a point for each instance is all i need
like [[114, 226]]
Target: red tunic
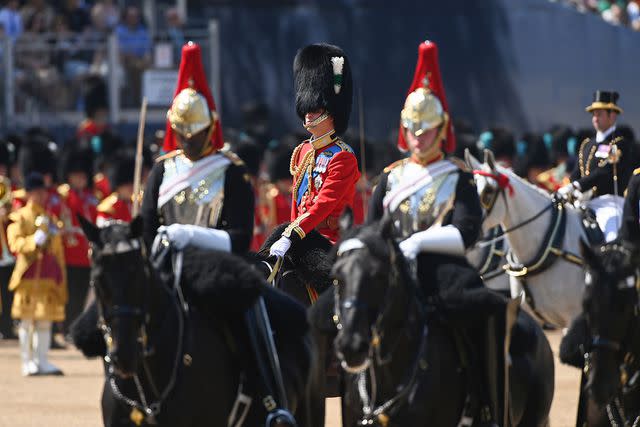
[[74, 203], [324, 183], [101, 185], [113, 208]]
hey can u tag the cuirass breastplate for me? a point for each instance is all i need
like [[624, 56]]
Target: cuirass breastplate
[[427, 206], [200, 203]]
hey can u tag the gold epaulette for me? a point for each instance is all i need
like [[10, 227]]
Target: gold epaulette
[[169, 155], [20, 194], [461, 164], [63, 190], [636, 171], [107, 205], [235, 159], [394, 165]]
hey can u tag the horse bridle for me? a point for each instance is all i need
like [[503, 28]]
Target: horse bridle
[[382, 413], [142, 409]]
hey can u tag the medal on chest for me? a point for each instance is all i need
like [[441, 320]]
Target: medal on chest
[[603, 151]]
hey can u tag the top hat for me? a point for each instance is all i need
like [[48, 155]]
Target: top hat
[[603, 100]]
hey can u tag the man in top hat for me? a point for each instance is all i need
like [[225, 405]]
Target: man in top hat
[[605, 164], [118, 205], [77, 198], [324, 168], [433, 203], [39, 279]]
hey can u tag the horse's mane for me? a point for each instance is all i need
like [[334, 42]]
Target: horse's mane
[[512, 175], [309, 256], [220, 282]]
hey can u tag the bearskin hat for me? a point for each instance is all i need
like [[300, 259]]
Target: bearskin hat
[[250, 152], [323, 82], [95, 96], [39, 154], [76, 159], [500, 141], [278, 163], [121, 170]]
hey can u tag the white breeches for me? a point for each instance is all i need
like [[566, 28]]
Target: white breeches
[[608, 210]]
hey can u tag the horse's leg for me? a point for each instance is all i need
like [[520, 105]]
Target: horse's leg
[[311, 408], [532, 374]]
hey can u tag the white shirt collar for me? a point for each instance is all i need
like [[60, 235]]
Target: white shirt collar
[[601, 136]]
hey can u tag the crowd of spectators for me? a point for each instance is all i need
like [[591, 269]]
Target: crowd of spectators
[[58, 44], [615, 12]]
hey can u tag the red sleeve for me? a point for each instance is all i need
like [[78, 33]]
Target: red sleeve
[[341, 177]]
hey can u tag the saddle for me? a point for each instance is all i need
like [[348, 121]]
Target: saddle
[[595, 236]]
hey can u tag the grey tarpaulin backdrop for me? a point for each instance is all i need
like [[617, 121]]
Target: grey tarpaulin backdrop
[[525, 64]]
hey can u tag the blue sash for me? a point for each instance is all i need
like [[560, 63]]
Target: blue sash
[[322, 164]]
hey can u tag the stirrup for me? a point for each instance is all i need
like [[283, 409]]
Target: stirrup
[[280, 417]]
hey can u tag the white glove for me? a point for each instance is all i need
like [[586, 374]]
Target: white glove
[[280, 247], [445, 240], [40, 237], [183, 235], [570, 191]]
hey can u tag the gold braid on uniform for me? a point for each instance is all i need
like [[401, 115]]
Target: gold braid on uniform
[[309, 160], [295, 226], [584, 168]]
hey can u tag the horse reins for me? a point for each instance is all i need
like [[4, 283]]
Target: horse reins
[[382, 413], [142, 410]]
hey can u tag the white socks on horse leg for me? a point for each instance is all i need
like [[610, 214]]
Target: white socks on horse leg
[[41, 344], [29, 367]]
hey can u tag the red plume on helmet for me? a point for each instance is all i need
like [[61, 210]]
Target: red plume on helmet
[[191, 75], [428, 67]]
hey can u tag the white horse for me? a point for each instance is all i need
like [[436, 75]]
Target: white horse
[[544, 246]]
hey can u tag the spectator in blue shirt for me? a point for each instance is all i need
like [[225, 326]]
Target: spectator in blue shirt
[[11, 20], [135, 52], [133, 37]]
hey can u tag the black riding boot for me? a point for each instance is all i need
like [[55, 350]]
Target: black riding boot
[[266, 378]]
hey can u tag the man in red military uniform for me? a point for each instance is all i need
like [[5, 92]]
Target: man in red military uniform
[[324, 168], [77, 198], [118, 205]]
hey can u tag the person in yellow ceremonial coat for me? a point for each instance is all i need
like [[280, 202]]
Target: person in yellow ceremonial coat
[[38, 280]]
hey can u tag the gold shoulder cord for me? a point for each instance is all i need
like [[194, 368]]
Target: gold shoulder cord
[[584, 167]]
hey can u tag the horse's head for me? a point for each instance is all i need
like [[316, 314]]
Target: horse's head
[[491, 184], [120, 277], [365, 261], [610, 302]]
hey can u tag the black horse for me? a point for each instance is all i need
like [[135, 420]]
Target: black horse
[[174, 356], [406, 365], [305, 271], [610, 392], [305, 274]]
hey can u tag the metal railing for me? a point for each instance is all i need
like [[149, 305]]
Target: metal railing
[[41, 77]]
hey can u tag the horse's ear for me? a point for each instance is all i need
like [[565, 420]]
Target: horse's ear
[[489, 159], [588, 254], [346, 220], [90, 230], [136, 227]]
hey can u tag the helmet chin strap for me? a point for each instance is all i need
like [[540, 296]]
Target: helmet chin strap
[[308, 126], [207, 147]]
